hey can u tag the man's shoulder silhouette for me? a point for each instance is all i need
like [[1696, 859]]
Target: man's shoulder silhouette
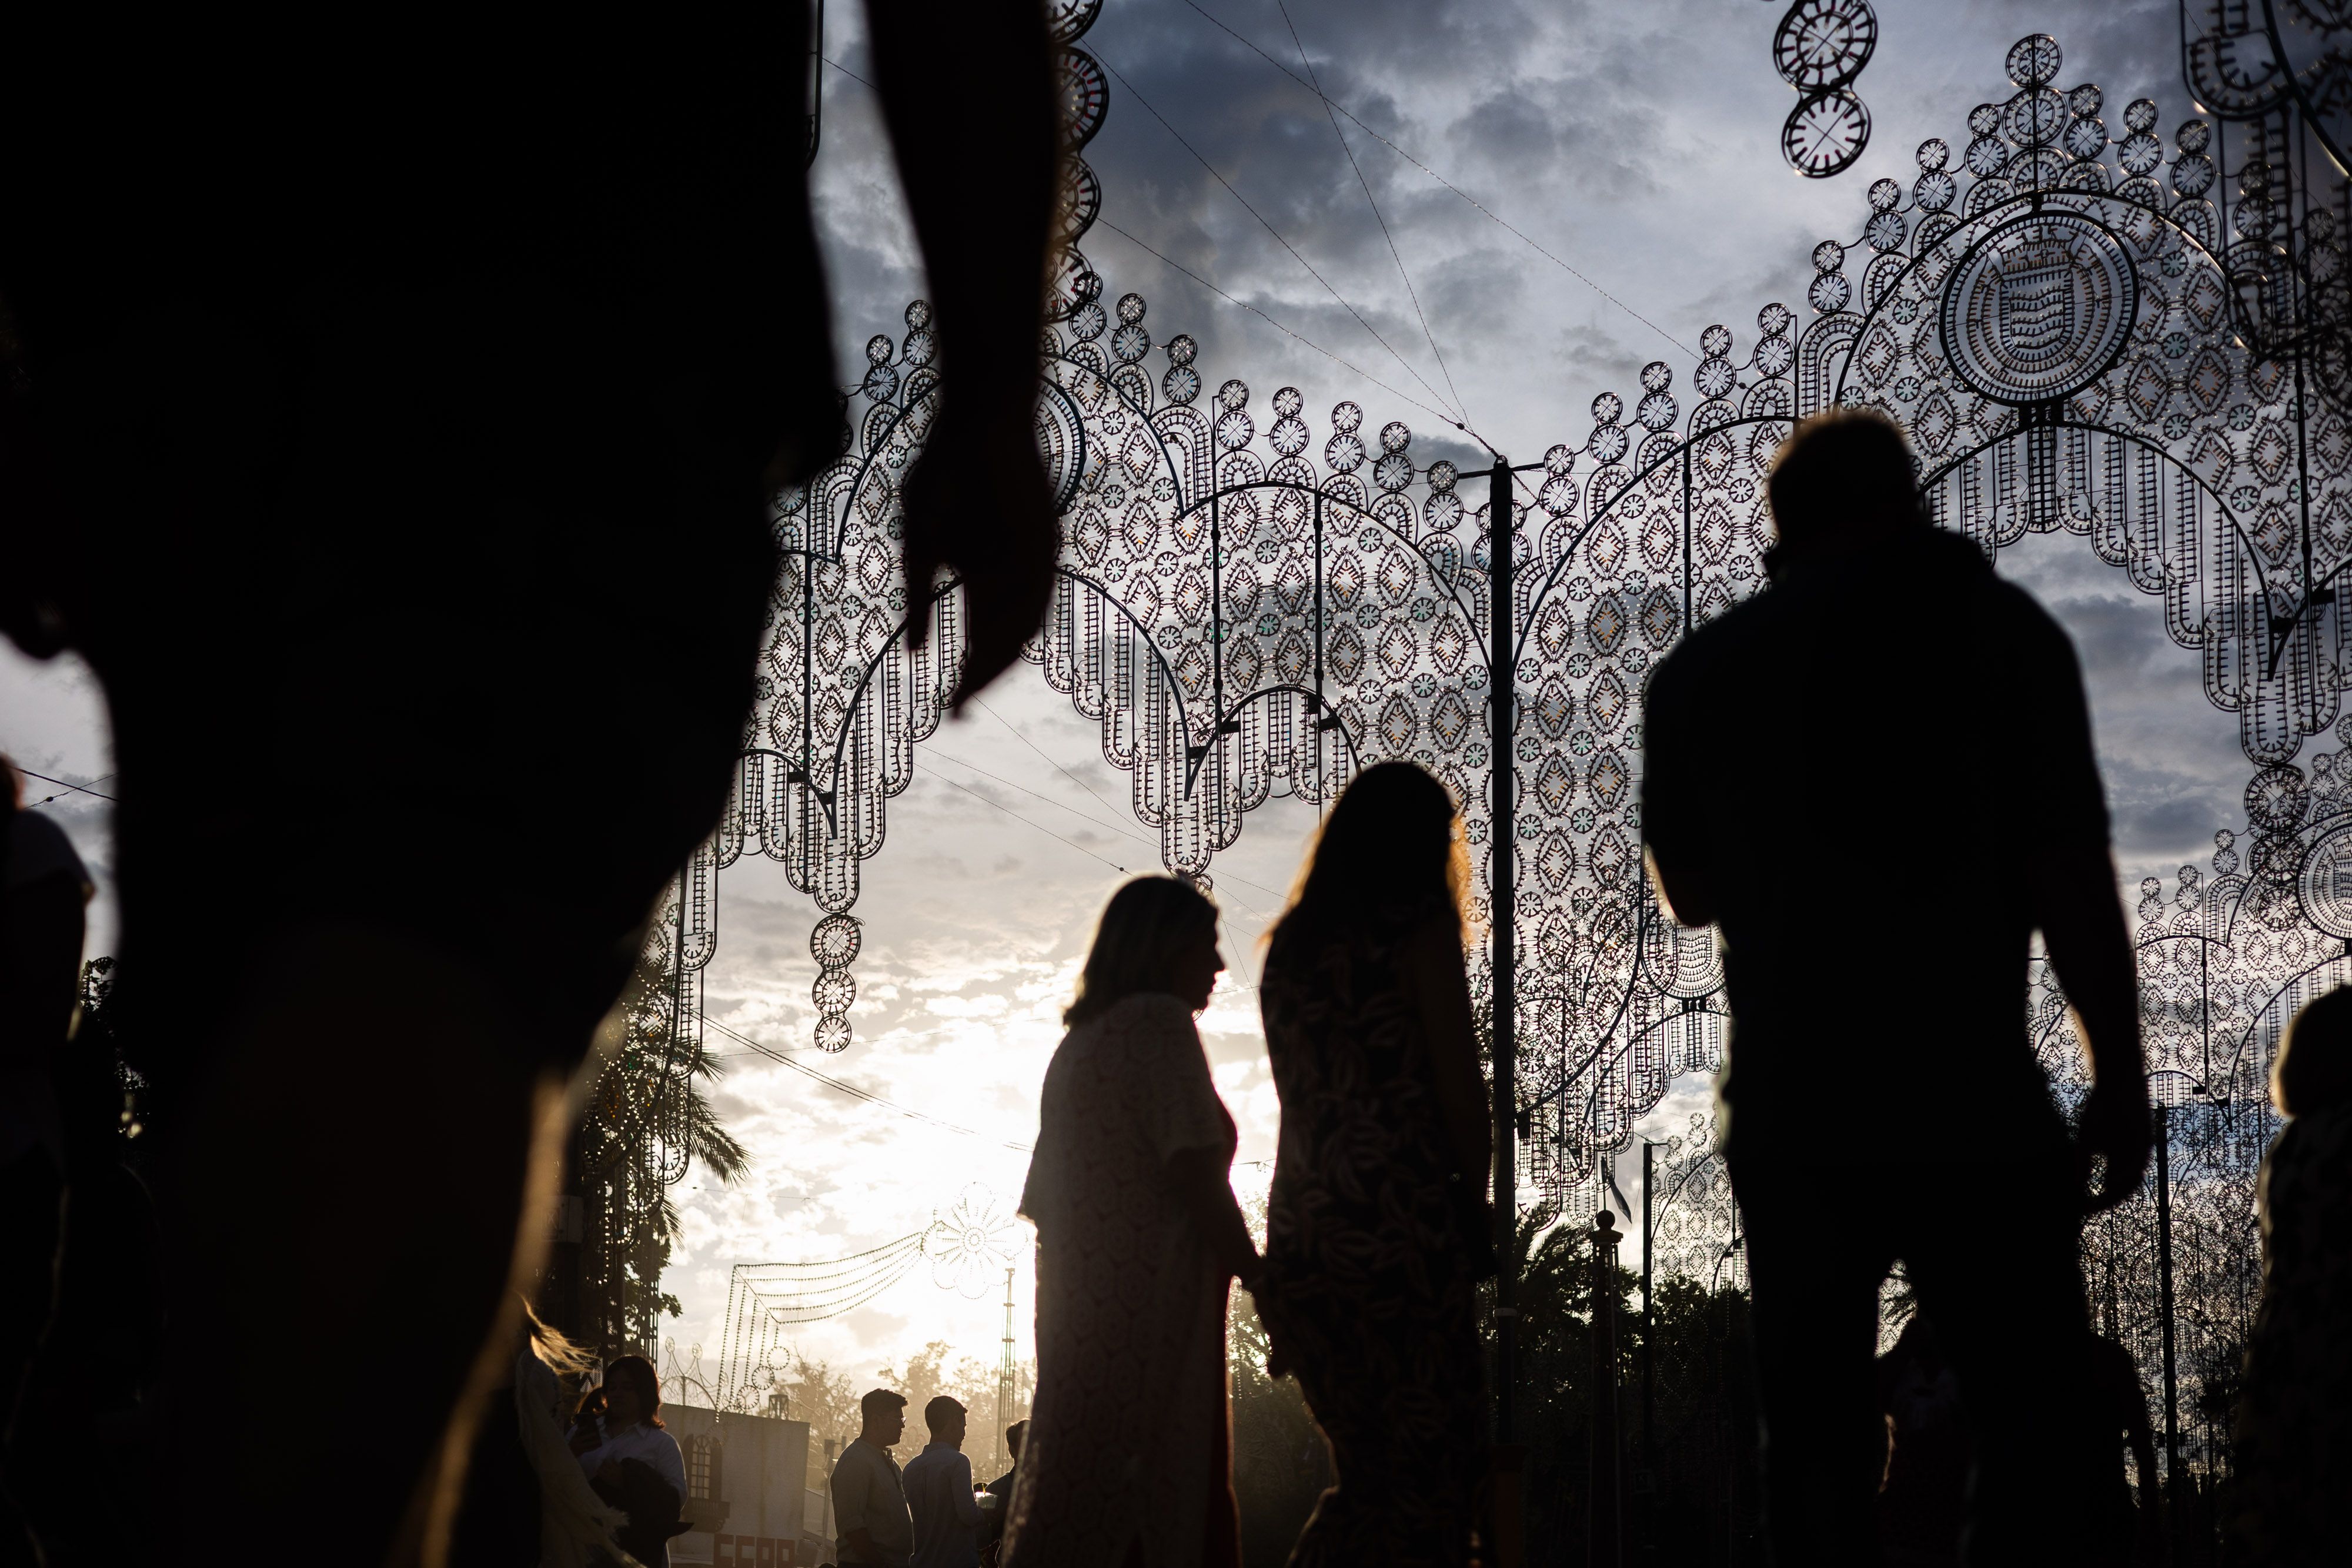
[[1923, 597], [1863, 692]]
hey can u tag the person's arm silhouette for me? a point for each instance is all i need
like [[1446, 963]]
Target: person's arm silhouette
[[2081, 922], [969, 95], [2070, 875]]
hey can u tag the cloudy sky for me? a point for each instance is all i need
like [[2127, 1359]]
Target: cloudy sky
[[1636, 144]]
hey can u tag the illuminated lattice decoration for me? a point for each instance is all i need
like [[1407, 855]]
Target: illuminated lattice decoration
[[640, 1110], [969, 1249], [2282, 75], [2059, 341], [1258, 599], [1694, 1222], [2226, 958]]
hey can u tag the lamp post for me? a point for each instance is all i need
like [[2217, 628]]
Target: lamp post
[[1606, 1528]]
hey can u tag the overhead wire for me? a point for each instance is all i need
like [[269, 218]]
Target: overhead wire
[[1345, 365], [1025, 822], [1453, 417], [1084, 816], [999, 778], [783, 1060], [1041, 751], [1449, 184], [67, 783], [852, 75], [1394, 254]]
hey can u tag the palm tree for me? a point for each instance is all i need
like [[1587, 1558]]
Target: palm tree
[[648, 1122]]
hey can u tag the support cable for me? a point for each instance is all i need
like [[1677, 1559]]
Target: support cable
[[1343, 364], [77, 788], [1373, 201], [1026, 822], [1450, 185], [1228, 185], [772, 1054]]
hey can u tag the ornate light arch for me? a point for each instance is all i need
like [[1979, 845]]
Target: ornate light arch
[[1253, 604]]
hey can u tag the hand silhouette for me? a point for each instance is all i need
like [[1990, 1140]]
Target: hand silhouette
[[2115, 1128], [978, 503]]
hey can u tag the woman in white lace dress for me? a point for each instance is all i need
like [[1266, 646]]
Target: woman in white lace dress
[[1127, 1462]]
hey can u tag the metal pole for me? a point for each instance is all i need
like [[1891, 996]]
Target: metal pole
[[1005, 1379], [1507, 1549], [1646, 1484], [1649, 1304], [1501, 692], [1607, 1550], [2164, 1300]]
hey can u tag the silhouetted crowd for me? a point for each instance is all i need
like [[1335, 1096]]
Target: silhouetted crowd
[[363, 427]]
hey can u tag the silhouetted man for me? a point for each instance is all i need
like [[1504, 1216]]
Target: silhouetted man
[[389, 407], [870, 1516], [939, 1495], [1877, 778]]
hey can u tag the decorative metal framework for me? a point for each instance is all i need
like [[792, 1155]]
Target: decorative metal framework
[[2175, 1272], [968, 1248], [1687, 1211], [2281, 71], [1256, 602], [1818, 49], [2054, 330], [644, 1119]]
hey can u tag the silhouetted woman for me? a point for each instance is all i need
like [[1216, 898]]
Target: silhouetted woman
[[1127, 1458], [1377, 1227], [631, 1461], [2295, 1417]]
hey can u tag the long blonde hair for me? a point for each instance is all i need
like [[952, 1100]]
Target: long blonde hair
[[1142, 933]]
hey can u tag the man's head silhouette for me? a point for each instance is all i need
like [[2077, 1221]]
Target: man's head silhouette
[[1843, 480]]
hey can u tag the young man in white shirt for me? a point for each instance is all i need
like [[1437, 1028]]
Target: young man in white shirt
[[938, 1492], [869, 1496]]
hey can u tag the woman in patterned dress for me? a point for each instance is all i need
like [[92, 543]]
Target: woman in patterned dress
[[1377, 1226], [1128, 1461], [2294, 1416]]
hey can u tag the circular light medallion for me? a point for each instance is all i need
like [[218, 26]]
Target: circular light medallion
[[2326, 883], [1825, 133], [1082, 94], [2039, 307], [1824, 43]]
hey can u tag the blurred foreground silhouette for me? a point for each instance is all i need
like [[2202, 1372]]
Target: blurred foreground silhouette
[[391, 410]]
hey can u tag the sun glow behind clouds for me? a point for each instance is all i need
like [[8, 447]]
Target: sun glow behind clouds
[[976, 924]]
